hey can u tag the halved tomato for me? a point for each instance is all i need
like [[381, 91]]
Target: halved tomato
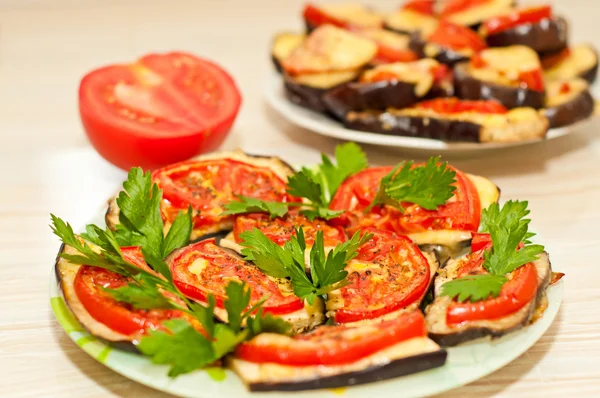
[[281, 229], [516, 18], [204, 268], [207, 185], [332, 345], [462, 212], [456, 37], [161, 109], [389, 273], [89, 286]]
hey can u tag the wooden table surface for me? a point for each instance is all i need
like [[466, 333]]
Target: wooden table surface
[[47, 165]]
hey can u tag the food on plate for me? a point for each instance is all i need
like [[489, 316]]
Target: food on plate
[[158, 110], [568, 102], [336, 356], [577, 61], [394, 85], [448, 43], [283, 45], [409, 20], [348, 15], [208, 182], [510, 75], [471, 12], [535, 27], [451, 119], [392, 46]]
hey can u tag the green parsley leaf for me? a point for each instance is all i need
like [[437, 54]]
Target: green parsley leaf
[[265, 253], [303, 184], [428, 186], [321, 212], [205, 314], [140, 296], [351, 246], [238, 298], [474, 287], [179, 232], [266, 323], [246, 204]]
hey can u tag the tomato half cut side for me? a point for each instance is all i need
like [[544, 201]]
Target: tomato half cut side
[[204, 268], [332, 345], [161, 109]]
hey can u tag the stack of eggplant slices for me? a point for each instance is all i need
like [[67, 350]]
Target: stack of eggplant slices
[[331, 275], [452, 70]]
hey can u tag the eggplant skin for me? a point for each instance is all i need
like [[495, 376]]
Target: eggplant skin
[[304, 96], [357, 96], [408, 126], [396, 368], [445, 55], [590, 74], [579, 108], [546, 36], [470, 88]]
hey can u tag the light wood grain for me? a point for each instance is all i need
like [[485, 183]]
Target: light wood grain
[[48, 166]]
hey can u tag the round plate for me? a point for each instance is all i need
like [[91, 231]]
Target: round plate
[[465, 363], [324, 125]]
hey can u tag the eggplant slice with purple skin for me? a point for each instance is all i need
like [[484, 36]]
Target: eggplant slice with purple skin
[[545, 36], [441, 54], [451, 335], [519, 124], [568, 102], [582, 61]]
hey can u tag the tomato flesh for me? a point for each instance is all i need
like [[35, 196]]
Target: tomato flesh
[[532, 80], [518, 17], [420, 6], [454, 105], [281, 229], [161, 109], [387, 54], [456, 37], [392, 274], [480, 242], [203, 268], [333, 345], [455, 6]]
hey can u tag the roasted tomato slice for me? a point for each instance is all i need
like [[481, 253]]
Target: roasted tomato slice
[[462, 212], [454, 105], [389, 273], [120, 317], [453, 6], [348, 16], [420, 6], [480, 242], [204, 268], [161, 109], [456, 37], [207, 185], [281, 229], [532, 80], [332, 345], [516, 18]]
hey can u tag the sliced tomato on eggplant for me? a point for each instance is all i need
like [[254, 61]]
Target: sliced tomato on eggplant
[[208, 182], [204, 268], [578, 61], [520, 300], [534, 27], [347, 16], [337, 356], [395, 85], [283, 45], [448, 43], [83, 286], [471, 13], [568, 102], [450, 225], [510, 75], [389, 275], [392, 46], [483, 121]]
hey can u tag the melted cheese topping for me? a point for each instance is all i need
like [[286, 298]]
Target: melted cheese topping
[[581, 59], [355, 14], [479, 13], [411, 21], [505, 64], [326, 80], [387, 38], [418, 73], [555, 96], [285, 43]]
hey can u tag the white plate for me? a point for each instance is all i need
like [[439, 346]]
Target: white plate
[[465, 363], [325, 125]]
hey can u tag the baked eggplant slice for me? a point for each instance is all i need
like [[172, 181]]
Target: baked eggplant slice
[[392, 46], [408, 21], [283, 45], [308, 90], [398, 347], [471, 13], [193, 183], [396, 85], [568, 102], [348, 16], [203, 267], [519, 124], [510, 75], [447, 334], [578, 61]]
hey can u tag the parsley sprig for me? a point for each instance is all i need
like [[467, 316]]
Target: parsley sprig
[[327, 271], [181, 346], [508, 228]]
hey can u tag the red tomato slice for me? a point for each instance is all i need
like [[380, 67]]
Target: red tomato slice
[[454, 105], [455, 6], [389, 273], [316, 17], [532, 80], [516, 18], [357, 192], [480, 242], [332, 345], [204, 268], [207, 185], [456, 37], [281, 229], [386, 55], [120, 317], [161, 109], [420, 6]]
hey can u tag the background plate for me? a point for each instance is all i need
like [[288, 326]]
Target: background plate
[[466, 363]]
